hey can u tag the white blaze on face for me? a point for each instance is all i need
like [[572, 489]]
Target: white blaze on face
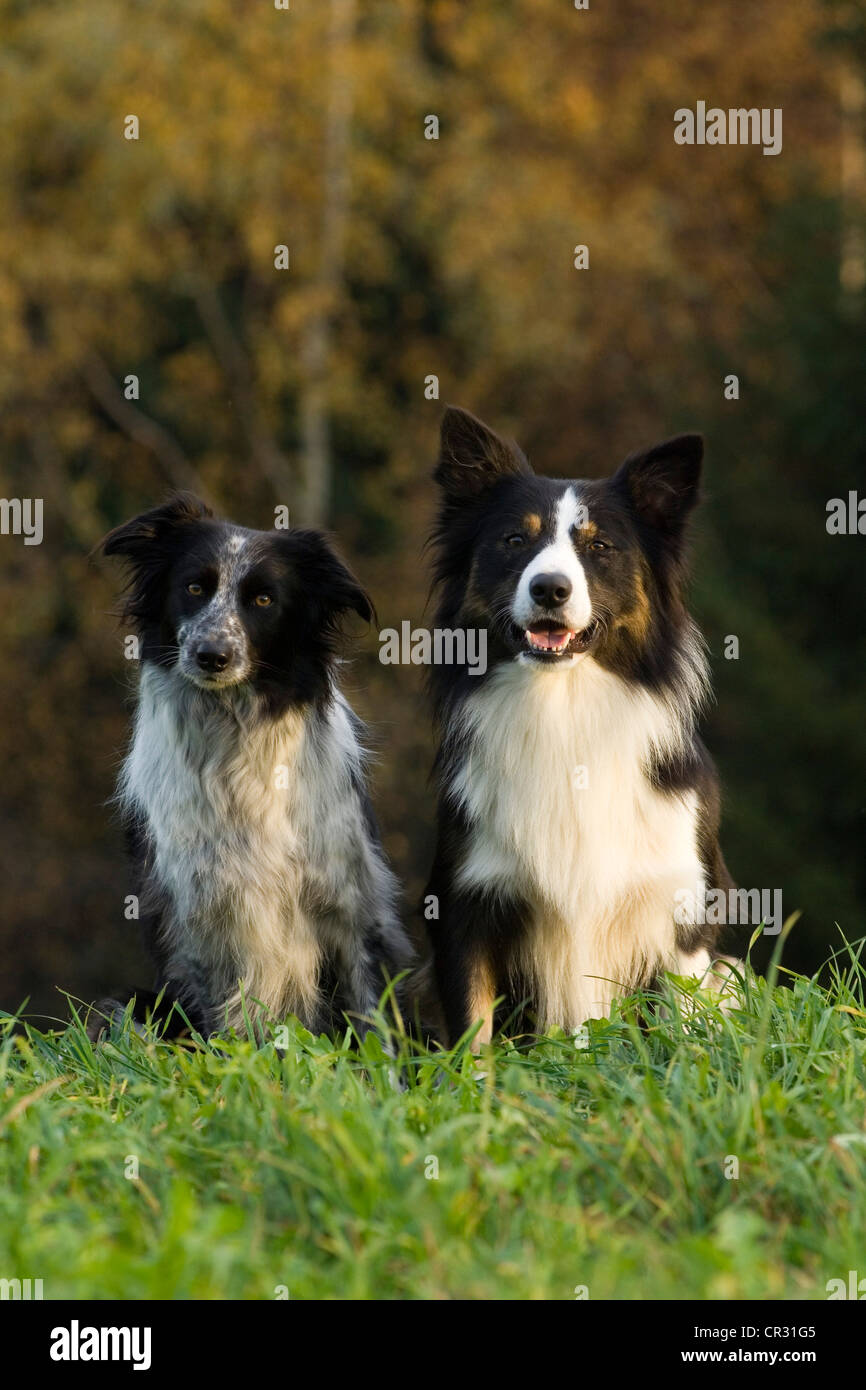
[[220, 619], [558, 557]]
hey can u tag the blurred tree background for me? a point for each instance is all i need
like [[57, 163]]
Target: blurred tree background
[[261, 127]]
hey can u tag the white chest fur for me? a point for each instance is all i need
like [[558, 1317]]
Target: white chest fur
[[563, 816], [250, 823]]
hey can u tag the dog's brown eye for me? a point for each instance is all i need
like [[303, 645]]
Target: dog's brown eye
[[263, 600], [515, 539], [599, 545], [194, 589]]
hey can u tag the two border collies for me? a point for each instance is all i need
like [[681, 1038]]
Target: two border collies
[[576, 800]]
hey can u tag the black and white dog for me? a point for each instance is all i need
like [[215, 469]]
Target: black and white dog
[[261, 879], [578, 809]]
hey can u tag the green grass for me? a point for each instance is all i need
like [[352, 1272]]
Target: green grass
[[558, 1166]]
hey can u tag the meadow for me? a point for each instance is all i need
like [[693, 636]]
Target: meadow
[[677, 1150]]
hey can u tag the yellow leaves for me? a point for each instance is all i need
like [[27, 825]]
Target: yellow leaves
[[581, 109]]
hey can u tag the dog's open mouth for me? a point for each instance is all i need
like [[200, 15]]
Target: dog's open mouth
[[549, 641]]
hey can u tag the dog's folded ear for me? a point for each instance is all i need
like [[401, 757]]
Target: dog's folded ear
[[662, 483], [328, 579], [133, 539], [472, 457]]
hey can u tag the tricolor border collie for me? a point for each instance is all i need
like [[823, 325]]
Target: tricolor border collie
[[577, 804], [261, 880]]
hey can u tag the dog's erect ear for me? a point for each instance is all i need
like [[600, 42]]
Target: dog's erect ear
[[327, 578], [134, 538], [473, 457], [662, 483]]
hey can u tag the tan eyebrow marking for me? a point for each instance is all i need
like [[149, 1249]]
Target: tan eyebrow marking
[[532, 523], [588, 530]]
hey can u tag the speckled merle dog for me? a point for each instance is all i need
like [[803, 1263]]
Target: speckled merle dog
[[261, 880]]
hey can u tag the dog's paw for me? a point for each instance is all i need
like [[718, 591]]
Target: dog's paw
[[105, 1015]]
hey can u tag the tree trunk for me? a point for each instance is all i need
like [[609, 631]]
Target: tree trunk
[[314, 497]]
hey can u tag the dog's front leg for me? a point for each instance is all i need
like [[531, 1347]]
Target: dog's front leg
[[464, 968], [361, 982]]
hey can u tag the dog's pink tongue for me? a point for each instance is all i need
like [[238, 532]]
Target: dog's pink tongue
[[549, 639]]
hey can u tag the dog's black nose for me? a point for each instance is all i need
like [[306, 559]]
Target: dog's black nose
[[211, 658], [550, 590]]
